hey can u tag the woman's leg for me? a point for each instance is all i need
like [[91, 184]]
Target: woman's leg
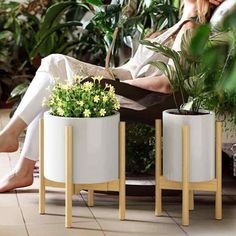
[[29, 108], [9, 135], [55, 65], [22, 174]]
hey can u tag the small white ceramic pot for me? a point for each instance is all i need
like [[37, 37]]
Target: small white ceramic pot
[[202, 145], [95, 148]]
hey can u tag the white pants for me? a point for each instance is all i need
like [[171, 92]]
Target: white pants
[[31, 110]]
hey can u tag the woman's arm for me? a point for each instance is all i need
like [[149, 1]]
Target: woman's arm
[[157, 83], [160, 83]]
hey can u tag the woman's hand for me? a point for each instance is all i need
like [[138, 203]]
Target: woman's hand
[[216, 2]]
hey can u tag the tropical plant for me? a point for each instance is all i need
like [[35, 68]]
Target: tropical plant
[[230, 24], [200, 69]]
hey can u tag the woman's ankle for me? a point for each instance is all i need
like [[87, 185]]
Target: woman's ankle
[[8, 142], [25, 167]]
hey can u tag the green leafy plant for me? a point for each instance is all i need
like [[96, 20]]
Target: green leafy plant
[[198, 70], [31, 31], [123, 24], [140, 151], [89, 99]]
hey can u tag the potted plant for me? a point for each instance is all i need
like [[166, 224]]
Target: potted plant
[[197, 74], [91, 110]]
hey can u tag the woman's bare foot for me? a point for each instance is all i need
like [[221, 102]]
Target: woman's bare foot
[[15, 180], [8, 143], [22, 176], [10, 134]]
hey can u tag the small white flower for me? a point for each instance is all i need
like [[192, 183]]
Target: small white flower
[[60, 111], [105, 98], [77, 78], [96, 99], [112, 89], [80, 103], [98, 78], [87, 86], [59, 103], [117, 106], [102, 112], [86, 113]]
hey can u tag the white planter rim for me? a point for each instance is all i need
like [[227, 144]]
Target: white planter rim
[[203, 113], [47, 113]]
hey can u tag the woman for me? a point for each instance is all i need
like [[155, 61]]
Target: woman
[[137, 72]]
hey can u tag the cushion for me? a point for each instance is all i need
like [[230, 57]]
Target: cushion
[[226, 8]]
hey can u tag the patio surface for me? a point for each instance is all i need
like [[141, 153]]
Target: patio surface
[[19, 211]]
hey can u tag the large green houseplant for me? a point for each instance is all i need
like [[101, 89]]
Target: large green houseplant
[[198, 72], [204, 70]]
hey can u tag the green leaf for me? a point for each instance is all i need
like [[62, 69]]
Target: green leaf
[[20, 89], [44, 37], [230, 84], [163, 67], [17, 32], [51, 16], [230, 21], [200, 39], [5, 34]]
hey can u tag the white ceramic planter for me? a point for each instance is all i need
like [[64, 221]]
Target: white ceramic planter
[[95, 148], [202, 146]]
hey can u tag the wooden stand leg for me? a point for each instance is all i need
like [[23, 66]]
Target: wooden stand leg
[[90, 198], [122, 172], [191, 200], [185, 175], [218, 200], [41, 169], [158, 167], [68, 182]]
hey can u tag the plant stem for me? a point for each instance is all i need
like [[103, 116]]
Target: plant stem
[[175, 101]]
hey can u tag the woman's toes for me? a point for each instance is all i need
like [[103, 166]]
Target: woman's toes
[[14, 180]]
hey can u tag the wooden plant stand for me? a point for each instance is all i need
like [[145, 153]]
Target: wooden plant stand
[[70, 188], [187, 187]]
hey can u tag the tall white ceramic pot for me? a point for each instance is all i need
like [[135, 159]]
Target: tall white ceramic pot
[[202, 145], [95, 148]]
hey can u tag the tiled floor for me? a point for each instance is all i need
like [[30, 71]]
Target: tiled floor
[[19, 211]]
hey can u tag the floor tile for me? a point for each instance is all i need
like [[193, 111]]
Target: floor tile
[[13, 230], [60, 230], [10, 215], [140, 219]]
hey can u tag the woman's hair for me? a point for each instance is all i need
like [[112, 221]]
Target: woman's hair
[[204, 10]]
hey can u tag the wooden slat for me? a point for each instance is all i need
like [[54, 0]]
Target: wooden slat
[[158, 167], [218, 202], [185, 175], [41, 169], [122, 188], [69, 176]]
